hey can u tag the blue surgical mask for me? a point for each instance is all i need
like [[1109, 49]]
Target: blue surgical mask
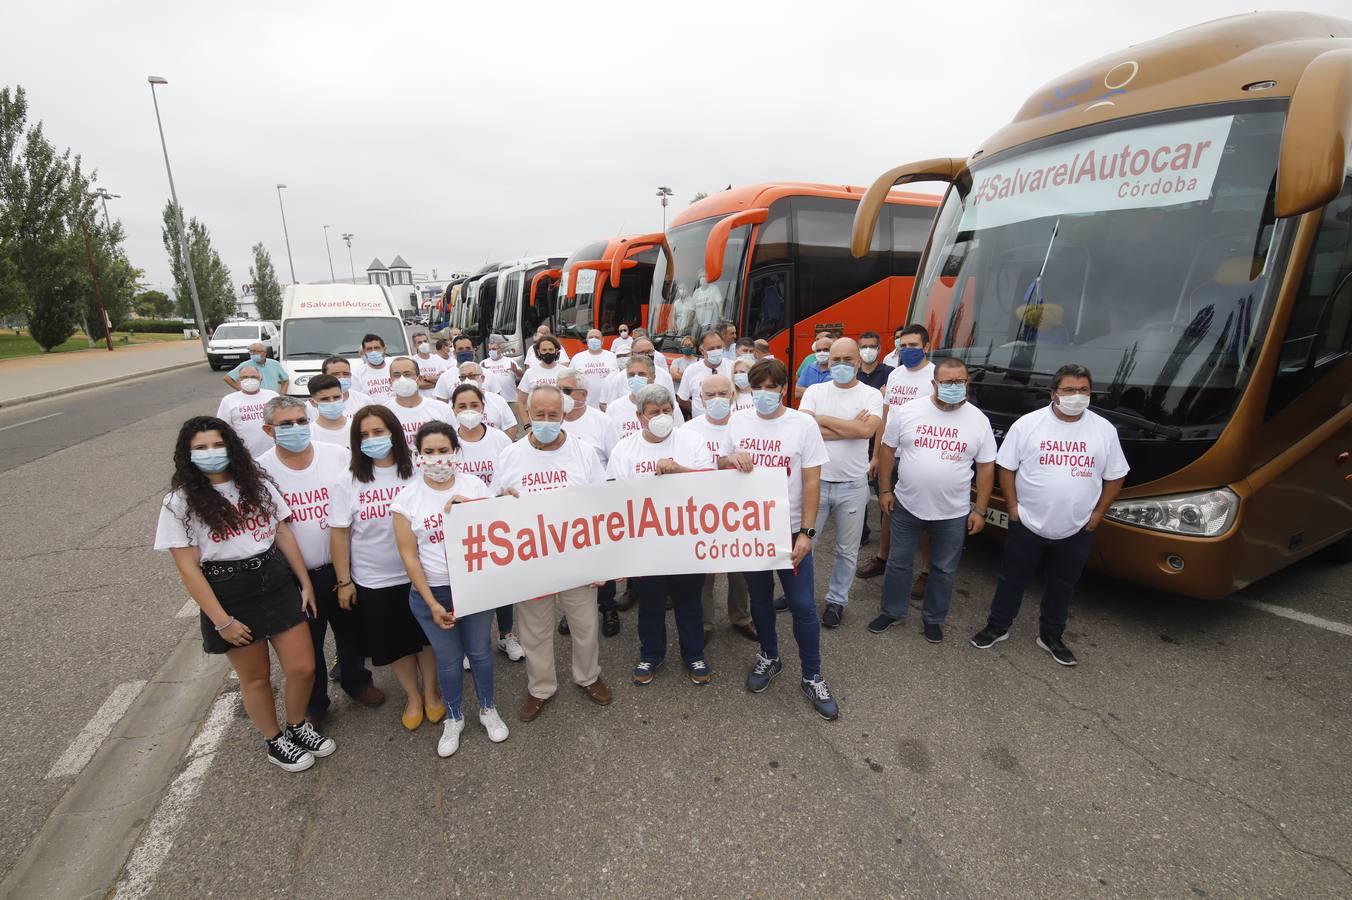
[[292, 437], [375, 357], [766, 401], [464, 356], [345, 384], [717, 407], [637, 383], [257, 358], [593, 344], [842, 373], [331, 409], [214, 460], [742, 380], [715, 357], [377, 447], [546, 432], [911, 357], [952, 393]]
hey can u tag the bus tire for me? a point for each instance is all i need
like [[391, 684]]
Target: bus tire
[[1340, 551]]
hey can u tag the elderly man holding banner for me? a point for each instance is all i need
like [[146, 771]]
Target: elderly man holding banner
[[659, 449]]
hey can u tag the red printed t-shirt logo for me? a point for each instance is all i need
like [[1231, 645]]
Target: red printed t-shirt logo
[[375, 503], [903, 393], [766, 453], [1067, 454], [247, 412], [548, 480], [258, 524], [944, 439], [308, 506], [483, 468], [432, 525]]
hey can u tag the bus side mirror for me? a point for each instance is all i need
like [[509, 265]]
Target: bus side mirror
[[1317, 136], [871, 204]]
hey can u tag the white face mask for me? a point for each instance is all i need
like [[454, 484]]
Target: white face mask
[[868, 354], [822, 356], [1073, 405], [404, 386], [424, 348], [440, 469], [742, 380], [569, 404], [661, 425], [469, 418], [250, 385]]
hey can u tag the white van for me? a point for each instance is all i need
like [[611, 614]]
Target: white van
[[230, 342], [323, 320]]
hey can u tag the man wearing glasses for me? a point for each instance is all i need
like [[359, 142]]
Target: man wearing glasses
[[1060, 469], [936, 441]]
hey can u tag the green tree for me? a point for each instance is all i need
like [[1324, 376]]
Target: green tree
[[154, 305], [266, 289], [213, 278]]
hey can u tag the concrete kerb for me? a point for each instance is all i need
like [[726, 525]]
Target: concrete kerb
[[17, 401], [81, 849]]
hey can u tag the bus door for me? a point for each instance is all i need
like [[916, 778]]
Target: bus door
[[539, 290]]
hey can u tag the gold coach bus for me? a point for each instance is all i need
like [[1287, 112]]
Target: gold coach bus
[[1177, 217]]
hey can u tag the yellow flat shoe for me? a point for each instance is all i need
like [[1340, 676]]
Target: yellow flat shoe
[[435, 713], [412, 722]]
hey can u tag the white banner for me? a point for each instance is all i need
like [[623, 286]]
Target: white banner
[[510, 549], [1141, 167]]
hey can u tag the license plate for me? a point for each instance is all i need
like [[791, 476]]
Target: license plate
[[998, 518]]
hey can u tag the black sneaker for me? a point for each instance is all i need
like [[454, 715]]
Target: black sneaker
[[763, 673], [1057, 648], [934, 633], [781, 603], [698, 671], [834, 613], [882, 623], [610, 623], [643, 672], [626, 600], [563, 626], [820, 696], [287, 755], [305, 735], [989, 636]]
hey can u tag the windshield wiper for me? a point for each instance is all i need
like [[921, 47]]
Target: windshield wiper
[[1172, 432], [315, 354]]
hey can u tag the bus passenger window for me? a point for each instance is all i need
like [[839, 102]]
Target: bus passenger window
[[825, 270], [910, 229]]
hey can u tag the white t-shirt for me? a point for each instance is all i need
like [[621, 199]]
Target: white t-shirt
[[257, 534], [374, 383], [621, 412], [935, 450], [742, 400], [597, 429], [432, 367], [364, 508], [499, 377], [621, 345], [244, 412], [531, 471], [537, 374], [415, 417], [636, 456], [714, 435], [903, 385], [849, 458], [1060, 468], [307, 492], [424, 508], [339, 437], [617, 385], [791, 442], [533, 360], [479, 458], [692, 379], [594, 369], [355, 401]]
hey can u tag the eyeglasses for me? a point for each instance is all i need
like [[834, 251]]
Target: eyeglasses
[[568, 392], [1071, 392], [305, 421], [961, 382]]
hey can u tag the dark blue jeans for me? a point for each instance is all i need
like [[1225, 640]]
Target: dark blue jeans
[[685, 591], [470, 637], [1065, 563], [504, 614], [352, 672], [605, 597], [946, 540], [800, 590]]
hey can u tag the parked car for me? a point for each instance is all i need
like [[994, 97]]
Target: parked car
[[229, 344]]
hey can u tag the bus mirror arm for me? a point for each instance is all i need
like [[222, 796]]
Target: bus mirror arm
[[1317, 137], [552, 274], [946, 170], [594, 265], [717, 245], [620, 260]]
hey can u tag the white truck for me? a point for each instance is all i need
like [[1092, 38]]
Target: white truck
[[323, 320]]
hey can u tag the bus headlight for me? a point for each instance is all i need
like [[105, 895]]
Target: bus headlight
[[1204, 514]]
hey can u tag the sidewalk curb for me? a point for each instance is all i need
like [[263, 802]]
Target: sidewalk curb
[[17, 401], [106, 808]]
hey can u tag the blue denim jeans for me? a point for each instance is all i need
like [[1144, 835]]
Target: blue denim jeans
[[946, 541], [845, 502], [470, 637], [800, 590], [685, 591]]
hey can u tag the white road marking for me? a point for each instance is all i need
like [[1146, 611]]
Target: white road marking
[[30, 421], [1298, 616], [158, 838], [87, 742], [187, 609]]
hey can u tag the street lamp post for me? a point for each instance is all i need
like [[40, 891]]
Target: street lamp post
[[347, 239], [663, 193], [182, 231], [332, 277], [102, 194], [286, 234]]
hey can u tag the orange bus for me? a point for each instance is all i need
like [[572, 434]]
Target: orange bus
[[775, 260], [1177, 217], [604, 284]]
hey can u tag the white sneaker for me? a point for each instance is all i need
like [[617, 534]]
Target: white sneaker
[[450, 737], [508, 644], [465, 661], [493, 724]]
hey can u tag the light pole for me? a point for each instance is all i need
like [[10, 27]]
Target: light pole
[[663, 193], [286, 234], [102, 194], [347, 239], [332, 277], [182, 231]]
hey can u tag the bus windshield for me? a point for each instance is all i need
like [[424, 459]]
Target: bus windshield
[[318, 338], [1146, 253], [694, 304]]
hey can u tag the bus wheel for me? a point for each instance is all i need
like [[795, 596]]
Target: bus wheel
[[1340, 551]]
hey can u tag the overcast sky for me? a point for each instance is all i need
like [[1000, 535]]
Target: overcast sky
[[461, 132]]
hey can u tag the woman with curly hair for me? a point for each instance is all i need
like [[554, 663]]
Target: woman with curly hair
[[224, 522]]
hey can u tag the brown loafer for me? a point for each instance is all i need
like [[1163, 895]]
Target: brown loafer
[[871, 568], [369, 696], [748, 631], [530, 707], [918, 589], [599, 692]]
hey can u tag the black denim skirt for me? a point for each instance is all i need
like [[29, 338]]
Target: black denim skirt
[[265, 598]]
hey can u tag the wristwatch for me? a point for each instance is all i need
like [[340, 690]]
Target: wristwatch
[[810, 532]]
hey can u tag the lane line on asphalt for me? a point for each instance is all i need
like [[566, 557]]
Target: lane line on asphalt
[[187, 609], [158, 838], [31, 421], [1298, 616], [86, 743]]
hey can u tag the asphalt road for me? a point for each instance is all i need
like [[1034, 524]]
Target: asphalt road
[[1200, 749]]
